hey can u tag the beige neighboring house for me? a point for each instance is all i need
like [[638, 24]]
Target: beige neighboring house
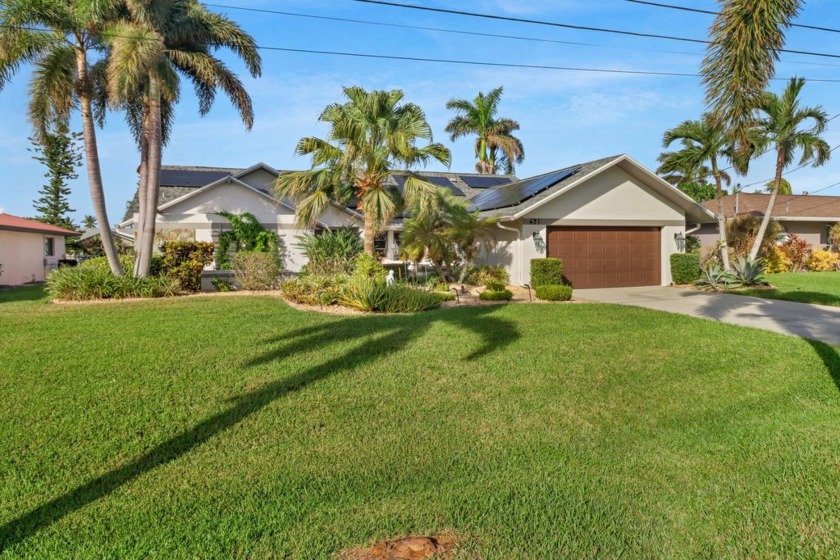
[[808, 216], [29, 249], [612, 221]]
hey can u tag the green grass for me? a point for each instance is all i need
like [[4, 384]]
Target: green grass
[[237, 427], [822, 288]]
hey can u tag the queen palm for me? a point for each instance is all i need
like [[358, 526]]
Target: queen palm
[[704, 146], [494, 144], [779, 128], [745, 40], [151, 45], [61, 80], [371, 135]]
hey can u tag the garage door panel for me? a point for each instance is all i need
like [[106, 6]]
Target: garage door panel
[[600, 257]]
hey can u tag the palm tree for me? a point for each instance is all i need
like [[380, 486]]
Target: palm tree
[[89, 222], [778, 128], [61, 81], [495, 147], [784, 187], [154, 43], [427, 236], [469, 232], [745, 40], [371, 135], [704, 146]]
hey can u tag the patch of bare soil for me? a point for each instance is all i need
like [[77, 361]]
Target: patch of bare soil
[[403, 548]]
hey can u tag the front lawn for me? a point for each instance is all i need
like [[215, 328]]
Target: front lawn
[[822, 288], [237, 427]]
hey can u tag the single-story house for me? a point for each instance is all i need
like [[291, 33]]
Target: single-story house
[[612, 221], [29, 249], [808, 216]]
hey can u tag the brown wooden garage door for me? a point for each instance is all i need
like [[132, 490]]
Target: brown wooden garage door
[[607, 257]]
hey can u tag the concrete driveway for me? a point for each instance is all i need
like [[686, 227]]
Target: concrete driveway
[[814, 322]]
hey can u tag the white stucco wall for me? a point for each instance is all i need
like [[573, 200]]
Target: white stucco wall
[[611, 198], [23, 258], [197, 213]]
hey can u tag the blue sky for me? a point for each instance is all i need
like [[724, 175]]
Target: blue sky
[[566, 117]]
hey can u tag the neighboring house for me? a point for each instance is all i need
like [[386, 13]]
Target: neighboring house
[[29, 249], [808, 216], [612, 221]]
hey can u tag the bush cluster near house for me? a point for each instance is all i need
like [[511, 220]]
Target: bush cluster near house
[[685, 268], [254, 270], [254, 253], [338, 272], [547, 280], [797, 255]]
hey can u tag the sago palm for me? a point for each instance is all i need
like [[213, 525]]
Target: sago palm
[[495, 144], [779, 128], [152, 44], [61, 81], [745, 40], [371, 135], [704, 146]]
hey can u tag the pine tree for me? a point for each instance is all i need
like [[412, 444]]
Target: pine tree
[[60, 153]]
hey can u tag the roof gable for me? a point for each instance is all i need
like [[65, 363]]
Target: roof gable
[[9, 222]]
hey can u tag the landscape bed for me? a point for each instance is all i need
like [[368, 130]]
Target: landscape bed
[[239, 427]]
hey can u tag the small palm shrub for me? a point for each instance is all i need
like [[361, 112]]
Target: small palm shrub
[[331, 251], [716, 279], [366, 266], [685, 267], [490, 295], [255, 270], [89, 283], [546, 271], [480, 276], [749, 273], [554, 292], [369, 294], [824, 261]]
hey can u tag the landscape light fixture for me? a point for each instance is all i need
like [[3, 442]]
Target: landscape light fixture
[[528, 286], [457, 297]]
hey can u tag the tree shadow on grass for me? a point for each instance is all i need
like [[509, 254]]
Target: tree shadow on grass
[[817, 298], [378, 338], [34, 292]]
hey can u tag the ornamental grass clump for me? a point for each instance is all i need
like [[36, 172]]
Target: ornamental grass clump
[[91, 283], [369, 294]]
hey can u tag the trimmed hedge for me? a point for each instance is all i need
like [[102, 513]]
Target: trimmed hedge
[[554, 292], [546, 271], [504, 295], [685, 268], [184, 261]]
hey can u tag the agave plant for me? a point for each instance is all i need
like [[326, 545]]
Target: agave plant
[[715, 278], [750, 272]]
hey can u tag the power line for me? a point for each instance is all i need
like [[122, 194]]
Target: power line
[[710, 12], [571, 26]]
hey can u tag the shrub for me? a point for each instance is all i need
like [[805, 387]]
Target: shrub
[[369, 294], [503, 295], [824, 261], [715, 278], [366, 266], [480, 276], [445, 296], [81, 283], [777, 260], [749, 273], [222, 285], [798, 252], [184, 261], [256, 270], [692, 243], [834, 235], [315, 290], [554, 292], [494, 285], [685, 267], [741, 231], [331, 251], [101, 263], [546, 271], [247, 234]]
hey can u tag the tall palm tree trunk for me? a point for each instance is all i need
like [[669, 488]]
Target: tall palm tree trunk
[[724, 245], [369, 233], [142, 193], [765, 221], [97, 191], [155, 143]]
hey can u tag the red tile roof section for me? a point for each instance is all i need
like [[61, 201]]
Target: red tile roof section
[[9, 222], [787, 206]]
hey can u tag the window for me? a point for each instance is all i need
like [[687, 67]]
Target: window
[[380, 244], [49, 246]]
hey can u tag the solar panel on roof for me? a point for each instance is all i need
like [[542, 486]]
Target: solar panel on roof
[[486, 182], [519, 192], [193, 178], [435, 180]]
